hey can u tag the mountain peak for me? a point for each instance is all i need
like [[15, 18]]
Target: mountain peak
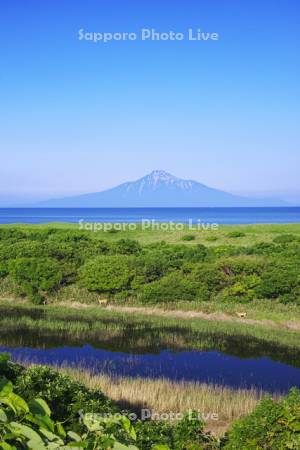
[[160, 175], [160, 179]]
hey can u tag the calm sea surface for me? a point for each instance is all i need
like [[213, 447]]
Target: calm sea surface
[[182, 215]]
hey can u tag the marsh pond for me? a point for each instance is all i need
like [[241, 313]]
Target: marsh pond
[[126, 347]]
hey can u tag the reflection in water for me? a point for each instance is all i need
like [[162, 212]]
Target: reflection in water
[[144, 349], [140, 348], [211, 366], [128, 336]]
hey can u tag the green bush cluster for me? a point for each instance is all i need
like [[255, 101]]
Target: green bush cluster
[[29, 425], [285, 239], [42, 261], [106, 273], [188, 237], [236, 234], [273, 425], [36, 275]]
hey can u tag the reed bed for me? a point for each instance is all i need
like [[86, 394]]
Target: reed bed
[[219, 405]]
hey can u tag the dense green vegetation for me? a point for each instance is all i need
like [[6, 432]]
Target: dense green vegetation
[[28, 425], [272, 425], [40, 409], [42, 261]]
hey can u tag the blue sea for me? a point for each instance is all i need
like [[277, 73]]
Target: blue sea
[[179, 215]]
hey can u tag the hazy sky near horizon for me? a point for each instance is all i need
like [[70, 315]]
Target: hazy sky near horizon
[[78, 116]]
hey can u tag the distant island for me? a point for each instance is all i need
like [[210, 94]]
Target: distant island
[[159, 189]]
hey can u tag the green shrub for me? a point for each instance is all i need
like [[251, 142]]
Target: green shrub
[[64, 396], [69, 236], [127, 247], [171, 288], [207, 275], [11, 234], [107, 273], [149, 267], [263, 248], [29, 425], [60, 251], [236, 234], [21, 249], [113, 231], [188, 237], [3, 269], [85, 251], [292, 297], [248, 265], [272, 425], [9, 369], [36, 276], [194, 253], [180, 254], [188, 434], [211, 238], [285, 239], [222, 251], [277, 280], [152, 432], [243, 290]]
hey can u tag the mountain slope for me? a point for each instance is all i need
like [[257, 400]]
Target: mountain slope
[[159, 189]]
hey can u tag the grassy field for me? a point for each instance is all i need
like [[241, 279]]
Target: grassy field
[[253, 233]]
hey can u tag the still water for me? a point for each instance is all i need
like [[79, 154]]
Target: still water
[[143, 350]]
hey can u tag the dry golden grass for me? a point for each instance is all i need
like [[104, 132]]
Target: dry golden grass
[[162, 396]]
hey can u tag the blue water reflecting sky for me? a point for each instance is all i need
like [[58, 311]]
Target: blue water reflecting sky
[[212, 366], [183, 215]]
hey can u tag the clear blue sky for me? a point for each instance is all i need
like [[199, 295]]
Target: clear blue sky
[[81, 117]]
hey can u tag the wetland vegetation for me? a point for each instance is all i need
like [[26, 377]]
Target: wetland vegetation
[[229, 296]]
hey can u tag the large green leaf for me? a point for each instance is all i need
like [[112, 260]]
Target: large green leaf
[[42, 421], [35, 442], [19, 404], [160, 447], [6, 387], [119, 446], [74, 436], [75, 445], [3, 416], [60, 430], [127, 425], [6, 446], [51, 436], [39, 406], [92, 423]]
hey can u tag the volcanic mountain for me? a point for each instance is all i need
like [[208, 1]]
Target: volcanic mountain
[[159, 189]]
